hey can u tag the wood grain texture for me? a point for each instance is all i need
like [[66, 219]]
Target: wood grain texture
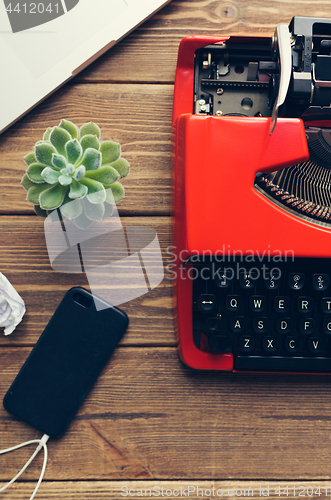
[[150, 417], [196, 490], [149, 54], [136, 116], [149, 420], [24, 260]]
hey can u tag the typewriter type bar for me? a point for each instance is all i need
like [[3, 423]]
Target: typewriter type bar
[[230, 159]]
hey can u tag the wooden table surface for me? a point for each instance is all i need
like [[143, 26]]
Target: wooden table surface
[[149, 421]]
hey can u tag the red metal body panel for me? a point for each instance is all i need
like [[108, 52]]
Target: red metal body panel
[[215, 205]]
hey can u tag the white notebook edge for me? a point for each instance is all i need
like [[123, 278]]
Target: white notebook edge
[[84, 65]]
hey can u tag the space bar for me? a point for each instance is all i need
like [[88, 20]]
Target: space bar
[[278, 363]]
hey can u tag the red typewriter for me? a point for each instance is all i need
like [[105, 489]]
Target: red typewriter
[[251, 164]]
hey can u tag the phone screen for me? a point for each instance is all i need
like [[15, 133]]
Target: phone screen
[[65, 362]]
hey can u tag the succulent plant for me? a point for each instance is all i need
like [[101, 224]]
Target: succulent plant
[[73, 164]]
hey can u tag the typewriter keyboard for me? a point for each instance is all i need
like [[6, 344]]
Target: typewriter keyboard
[[273, 316]]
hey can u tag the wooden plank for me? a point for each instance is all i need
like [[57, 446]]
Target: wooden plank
[[149, 54], [136, 116], [24, 260], [151, 418], [101, 490]]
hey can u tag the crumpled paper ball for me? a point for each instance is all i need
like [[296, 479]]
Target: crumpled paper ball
[[12, 307]]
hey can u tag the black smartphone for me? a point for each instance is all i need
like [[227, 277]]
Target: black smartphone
[[65, 362]]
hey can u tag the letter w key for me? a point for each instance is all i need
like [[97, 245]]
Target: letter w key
[[257, 303]]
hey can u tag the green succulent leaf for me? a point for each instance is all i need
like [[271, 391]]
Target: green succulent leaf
[[82, 222], [69, 127], [53, 197], [71, 209], [93, 211], [111, 151], [30, 158], [47, 133], [34, 173], [96, 191], [74, 151], [50, 175], [65, 179], [70, 169], [59, 137], [122, 166], [117, 191], [109, 196], [35, 192], [59, 162], [91, 159], [90, 129], [27, 183], [90, 141], [77, 190], [44, 153], [40, 211], [79, 173], [109, 209], [106, 175]]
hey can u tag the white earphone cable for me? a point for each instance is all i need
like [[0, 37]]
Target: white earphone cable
[[41, 444]]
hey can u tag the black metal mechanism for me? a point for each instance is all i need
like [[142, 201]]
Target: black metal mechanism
[[309, 95], [234, 79], [242, 77], [305, 189]]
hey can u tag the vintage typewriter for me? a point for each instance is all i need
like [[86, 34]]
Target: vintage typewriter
[[251, 163]]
